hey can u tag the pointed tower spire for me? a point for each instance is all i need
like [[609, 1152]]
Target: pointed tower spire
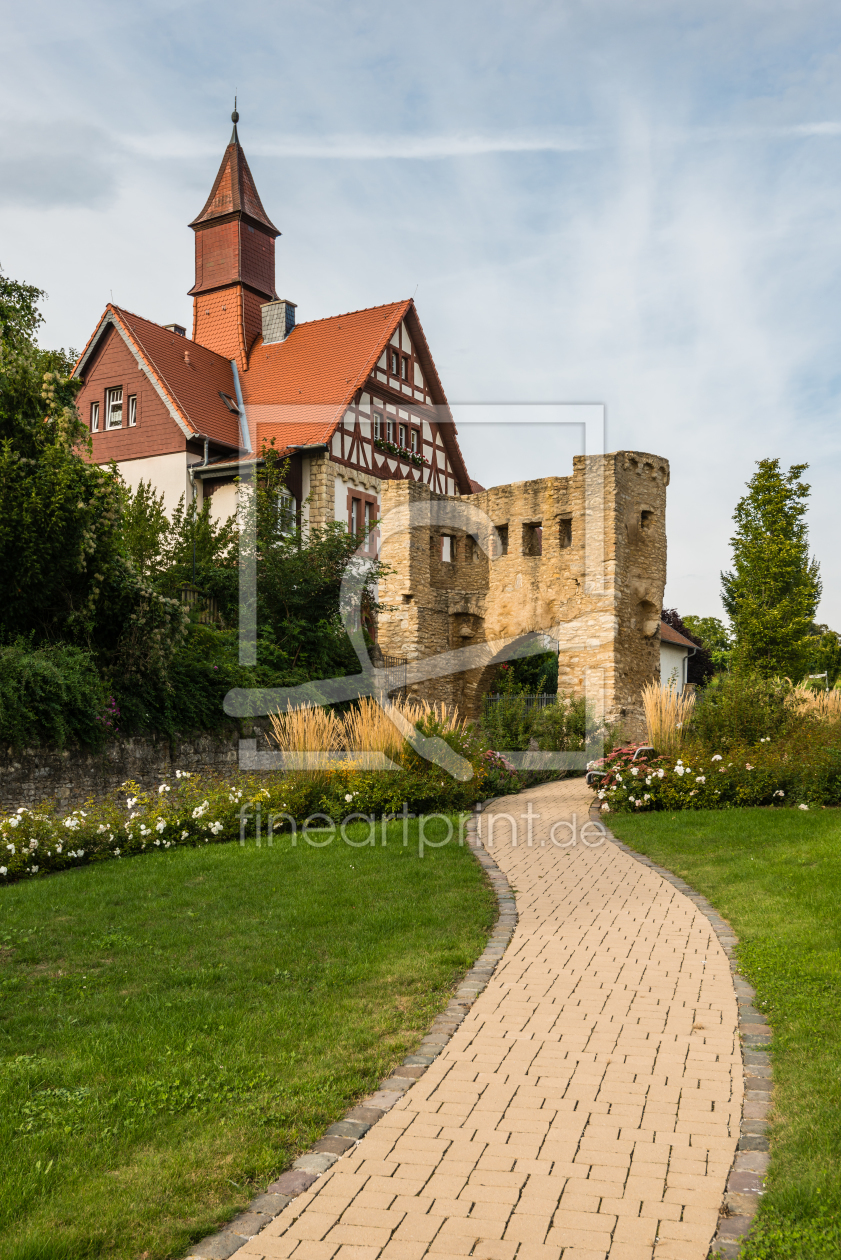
[[235, 258]]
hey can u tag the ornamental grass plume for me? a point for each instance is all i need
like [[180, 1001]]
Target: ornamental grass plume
[[369, 728], [823, 705], [667, 715], [308, 731]]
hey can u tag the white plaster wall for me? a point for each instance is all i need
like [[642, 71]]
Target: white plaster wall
[[167, 473], [673, 657], [223, 503]]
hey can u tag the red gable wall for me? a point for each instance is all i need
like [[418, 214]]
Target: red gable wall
[[156, 433]]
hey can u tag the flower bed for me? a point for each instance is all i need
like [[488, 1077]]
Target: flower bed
[[765, 773], [198, 809]]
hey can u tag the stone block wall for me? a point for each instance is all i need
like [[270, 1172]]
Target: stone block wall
[[69, 776], [580, 558]]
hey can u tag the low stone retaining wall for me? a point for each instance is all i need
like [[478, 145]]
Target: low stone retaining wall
[[69, 776]]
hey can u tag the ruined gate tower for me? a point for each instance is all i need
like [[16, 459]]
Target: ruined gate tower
[[580, 558]]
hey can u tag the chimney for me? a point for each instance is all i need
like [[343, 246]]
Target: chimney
[[178, 329], [278, 320]]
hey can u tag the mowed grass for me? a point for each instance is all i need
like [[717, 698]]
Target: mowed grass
[[175, 1028], [776, 876]]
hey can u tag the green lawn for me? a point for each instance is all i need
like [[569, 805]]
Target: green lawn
[[776, 876], [175, 1028]]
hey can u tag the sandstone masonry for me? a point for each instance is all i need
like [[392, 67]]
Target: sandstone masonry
[[581, 559]]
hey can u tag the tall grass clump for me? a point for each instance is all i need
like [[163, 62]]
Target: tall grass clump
[[309, 732], [667, 715], [823, 705], [367, 728]]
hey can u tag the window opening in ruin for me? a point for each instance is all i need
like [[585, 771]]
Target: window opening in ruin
[[448, 548], [565, 533], [533, 539], [645, 519], [501, 547]]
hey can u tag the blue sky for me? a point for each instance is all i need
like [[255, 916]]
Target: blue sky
[[632, 204]]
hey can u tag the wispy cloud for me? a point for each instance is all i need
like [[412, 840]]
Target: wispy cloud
[[410, 147]]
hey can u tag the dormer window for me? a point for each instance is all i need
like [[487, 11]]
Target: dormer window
[[114, 408], [94, 417]]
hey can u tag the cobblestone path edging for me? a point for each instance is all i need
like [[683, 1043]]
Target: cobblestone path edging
[[746, 1179], [346, 1133]]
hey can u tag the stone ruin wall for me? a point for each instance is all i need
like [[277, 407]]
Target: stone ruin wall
[[594, 580]]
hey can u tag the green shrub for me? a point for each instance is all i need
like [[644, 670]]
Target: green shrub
[[742, 708], [567, 725], [52, 695]]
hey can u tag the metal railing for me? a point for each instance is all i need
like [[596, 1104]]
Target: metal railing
[[395, 675], [521, 700]]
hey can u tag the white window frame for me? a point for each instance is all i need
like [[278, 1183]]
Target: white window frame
[[378, 424], [112, 398], [94, 417], [287, 511], [415, 442], [132, 410], [389, 429]]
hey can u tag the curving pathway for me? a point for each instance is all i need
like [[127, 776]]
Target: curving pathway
[[588, 1106]]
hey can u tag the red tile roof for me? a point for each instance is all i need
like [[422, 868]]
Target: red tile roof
[[669, 635], [297, 390], [234, 192]]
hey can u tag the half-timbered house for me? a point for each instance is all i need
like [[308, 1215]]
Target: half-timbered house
[[351, 400]]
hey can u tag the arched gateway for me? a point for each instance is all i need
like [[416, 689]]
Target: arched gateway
[[581, 558]]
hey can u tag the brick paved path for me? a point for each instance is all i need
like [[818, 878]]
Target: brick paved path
[[589, 1104]]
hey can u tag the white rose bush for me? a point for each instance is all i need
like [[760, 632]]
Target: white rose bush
[[761, 774]]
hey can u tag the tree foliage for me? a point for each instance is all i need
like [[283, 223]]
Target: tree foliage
[[714, 637], [773, 589], [700, 666]]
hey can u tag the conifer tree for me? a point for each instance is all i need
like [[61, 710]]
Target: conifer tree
[[773, 589]]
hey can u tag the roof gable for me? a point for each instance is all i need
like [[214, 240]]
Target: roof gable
[[297, 390], [187, 377]]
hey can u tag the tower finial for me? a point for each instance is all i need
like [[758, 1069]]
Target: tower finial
[[235, 120]]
